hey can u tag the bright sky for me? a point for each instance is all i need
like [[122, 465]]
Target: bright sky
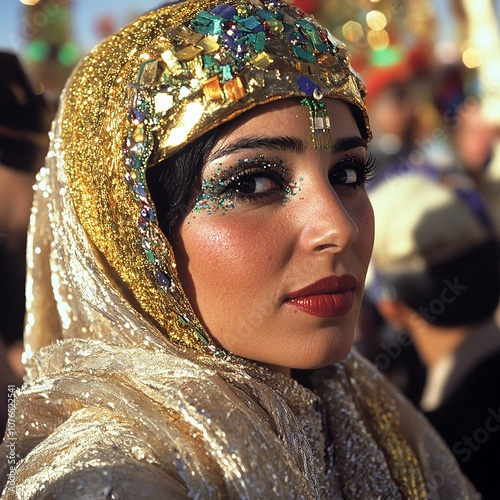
[[85, 16], [121, 12]]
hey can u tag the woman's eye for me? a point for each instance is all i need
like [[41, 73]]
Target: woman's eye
[[250, 180], [253, 184], [353, 172], [344, 176]]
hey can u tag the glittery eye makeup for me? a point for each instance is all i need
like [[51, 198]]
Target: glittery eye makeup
[[248, 181]]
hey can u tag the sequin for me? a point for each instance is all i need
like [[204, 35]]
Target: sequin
[[163, 102], [188, 53], [147, 74], [226, 11], [262, 60], [306, 86], [173, 65], [326, 60], [234, 89], [209, 44], [213, 89]]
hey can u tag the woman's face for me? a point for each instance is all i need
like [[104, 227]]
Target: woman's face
[[274, 254]]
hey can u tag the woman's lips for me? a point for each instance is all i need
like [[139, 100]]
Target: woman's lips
[[328, 297]]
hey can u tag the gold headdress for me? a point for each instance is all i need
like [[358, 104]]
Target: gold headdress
[[157, 85]]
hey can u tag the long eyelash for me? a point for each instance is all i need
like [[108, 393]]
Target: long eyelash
[[256, 172], [369, 166], [363, 165]]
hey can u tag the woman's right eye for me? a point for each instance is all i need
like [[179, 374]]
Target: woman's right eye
[[249, 181], [255, 184]]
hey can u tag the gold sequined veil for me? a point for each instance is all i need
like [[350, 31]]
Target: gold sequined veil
[[126, 395]]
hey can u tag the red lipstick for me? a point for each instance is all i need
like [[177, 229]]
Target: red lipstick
[[329, 297]]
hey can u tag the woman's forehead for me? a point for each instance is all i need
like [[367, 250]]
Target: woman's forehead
[[288, 117]]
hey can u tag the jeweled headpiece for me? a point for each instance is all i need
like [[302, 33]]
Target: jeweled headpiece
[[159, 84]]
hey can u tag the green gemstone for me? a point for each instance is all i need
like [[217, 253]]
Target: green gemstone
[[275, 26], [201, 336], [250, 23], [209, 62], [182, 319], [265, 14], [299, 52], [260, 42], [150, 255], [226, 73]]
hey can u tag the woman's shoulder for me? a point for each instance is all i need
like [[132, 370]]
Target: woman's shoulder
[[106, 418], [94, 454]]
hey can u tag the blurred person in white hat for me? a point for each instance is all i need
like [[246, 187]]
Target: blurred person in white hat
[[435, 263]]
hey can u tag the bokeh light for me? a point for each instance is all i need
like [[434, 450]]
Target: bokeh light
[[376, 20], [37, 50], [472, 57], [352, 31], [378, 40]]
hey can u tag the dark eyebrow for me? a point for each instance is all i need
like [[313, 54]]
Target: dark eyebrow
[[347, 143], [284, 143]]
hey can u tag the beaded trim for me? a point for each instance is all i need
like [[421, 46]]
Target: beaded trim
[[137, 148]]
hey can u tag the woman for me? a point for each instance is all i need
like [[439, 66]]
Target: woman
[[199, 245]]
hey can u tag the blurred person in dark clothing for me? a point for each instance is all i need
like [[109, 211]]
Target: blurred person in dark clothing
[[476, 141]]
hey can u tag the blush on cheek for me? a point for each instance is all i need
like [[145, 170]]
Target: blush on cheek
[[364, 220]]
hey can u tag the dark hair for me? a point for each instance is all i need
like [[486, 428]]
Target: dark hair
[[175, 182], [461, 291]]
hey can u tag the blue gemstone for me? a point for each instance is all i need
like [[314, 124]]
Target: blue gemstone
[[225, 11], [163, 279], [228, 41], [147, 214], [306, 86], [259, 28], [139, 190], [241, 50], [139, 113]]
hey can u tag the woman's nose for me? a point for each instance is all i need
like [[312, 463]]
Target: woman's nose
[[328, 225]]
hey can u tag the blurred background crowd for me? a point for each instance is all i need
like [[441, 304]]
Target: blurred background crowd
[[432, 72]]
